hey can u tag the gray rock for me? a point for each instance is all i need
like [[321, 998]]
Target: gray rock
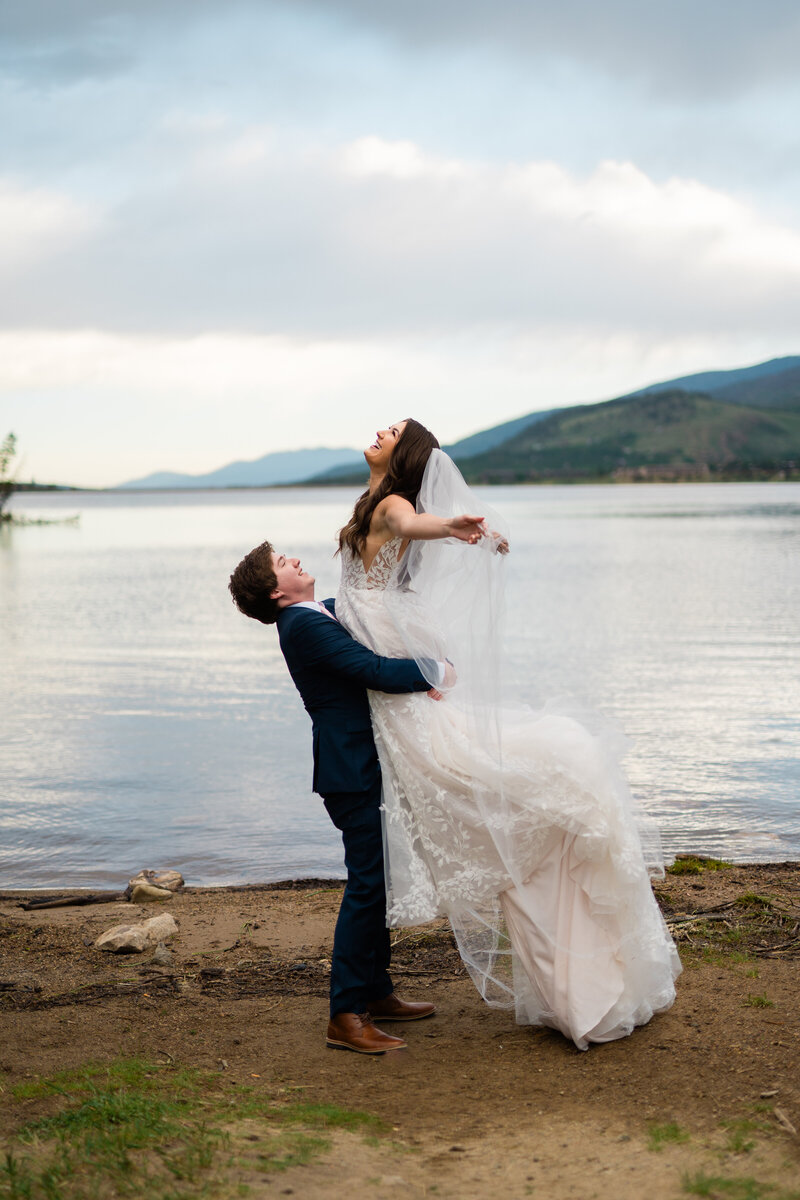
[[171, 881], [123, 939], [133, 939], [146, 893]]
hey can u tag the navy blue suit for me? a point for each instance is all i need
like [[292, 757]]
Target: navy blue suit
[[332, 672]]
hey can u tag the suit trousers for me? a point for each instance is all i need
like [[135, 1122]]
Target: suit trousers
[[361, 947]]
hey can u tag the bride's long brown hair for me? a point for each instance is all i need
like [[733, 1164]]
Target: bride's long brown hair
[[403, 478]]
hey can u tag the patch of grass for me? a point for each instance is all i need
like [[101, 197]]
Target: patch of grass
[[753, 900], [329, 1116], [733, 937], [742, 1188], [291, 1150], [141, 1116], [671, 1133], [695, 956], [738, 1141], [132, 1073], [695, 864], [761, 1001], [134, 1127]]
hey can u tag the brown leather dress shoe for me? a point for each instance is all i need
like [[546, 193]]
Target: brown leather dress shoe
[[392, 1008], [355, 1031]]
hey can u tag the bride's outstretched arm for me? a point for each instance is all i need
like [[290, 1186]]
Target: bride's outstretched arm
[[403, 521]]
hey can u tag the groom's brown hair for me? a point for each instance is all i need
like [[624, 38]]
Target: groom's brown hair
[[252, 585]]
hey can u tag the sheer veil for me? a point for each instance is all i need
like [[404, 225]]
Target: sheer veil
[[448, 598], [447, 601]]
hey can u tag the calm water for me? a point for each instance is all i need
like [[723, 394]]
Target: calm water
[[147, 723]]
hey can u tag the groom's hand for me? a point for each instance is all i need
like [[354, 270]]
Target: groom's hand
[[448, 679]]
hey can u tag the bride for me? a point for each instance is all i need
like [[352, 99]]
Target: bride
[[516, 825]]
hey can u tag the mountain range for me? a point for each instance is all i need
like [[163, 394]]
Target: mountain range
[[280, 467], [741, 423], [714, 425]]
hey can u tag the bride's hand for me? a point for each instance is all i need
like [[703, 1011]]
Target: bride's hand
[[472, 529], [467, 529]]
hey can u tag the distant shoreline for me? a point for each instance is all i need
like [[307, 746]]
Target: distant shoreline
[[605, 481]]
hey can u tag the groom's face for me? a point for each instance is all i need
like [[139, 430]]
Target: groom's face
[[293, 582]]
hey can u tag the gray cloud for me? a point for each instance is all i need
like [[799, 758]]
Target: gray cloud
[[56, 42], [288, 243], [713, 48], [718, 48], [299, 245]]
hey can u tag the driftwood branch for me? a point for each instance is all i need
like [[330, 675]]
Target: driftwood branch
[[69, 901]]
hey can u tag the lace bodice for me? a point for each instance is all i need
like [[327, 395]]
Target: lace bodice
[[380, 570]]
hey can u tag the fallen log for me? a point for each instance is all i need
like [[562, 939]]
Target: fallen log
[[69, 901]]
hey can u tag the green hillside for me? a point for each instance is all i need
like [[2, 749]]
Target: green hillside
[[772, 391], [669, 434]]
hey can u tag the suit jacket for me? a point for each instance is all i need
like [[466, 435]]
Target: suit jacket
[[332, 671]]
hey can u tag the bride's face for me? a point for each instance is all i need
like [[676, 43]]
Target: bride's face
[[381, 450]]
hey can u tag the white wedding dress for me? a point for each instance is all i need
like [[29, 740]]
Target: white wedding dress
[[517, 825]]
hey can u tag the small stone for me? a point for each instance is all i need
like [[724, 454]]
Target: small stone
[[163, 956]]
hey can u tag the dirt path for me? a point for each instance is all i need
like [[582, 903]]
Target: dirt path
[[700, 1100]]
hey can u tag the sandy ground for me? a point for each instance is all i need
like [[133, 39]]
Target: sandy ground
[[478, 1107]]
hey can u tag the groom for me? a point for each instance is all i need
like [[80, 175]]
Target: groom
[[332, 672]]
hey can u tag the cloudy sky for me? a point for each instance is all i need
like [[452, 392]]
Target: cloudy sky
[[232, 228]]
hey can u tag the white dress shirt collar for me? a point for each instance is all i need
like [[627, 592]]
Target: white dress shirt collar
[[314, 605]]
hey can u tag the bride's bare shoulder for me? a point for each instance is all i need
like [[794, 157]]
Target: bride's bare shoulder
[[389, 506]]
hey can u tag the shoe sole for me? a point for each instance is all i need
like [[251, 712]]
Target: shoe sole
[[358, 1050], [418, 1017]]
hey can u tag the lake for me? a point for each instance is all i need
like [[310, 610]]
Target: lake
[[147, 723]]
